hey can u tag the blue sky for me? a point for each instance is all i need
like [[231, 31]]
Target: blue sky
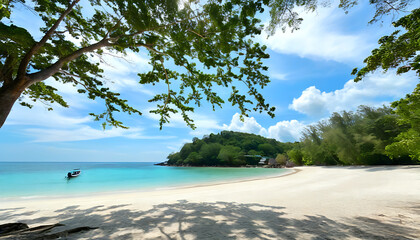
[[310, 73]]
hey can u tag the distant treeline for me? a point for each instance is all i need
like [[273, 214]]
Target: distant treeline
[[369, 136], [228, 149]]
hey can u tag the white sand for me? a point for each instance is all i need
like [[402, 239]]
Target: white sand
[[314, 203]]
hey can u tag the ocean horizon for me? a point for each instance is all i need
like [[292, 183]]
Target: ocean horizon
[[47, 179]]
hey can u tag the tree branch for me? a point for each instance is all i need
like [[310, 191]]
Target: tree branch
[[149, 46], [54, 68], [196, 33], [169, 87], [27, 58], [7, 70]]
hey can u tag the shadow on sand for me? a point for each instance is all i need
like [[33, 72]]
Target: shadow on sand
[[220, 220]]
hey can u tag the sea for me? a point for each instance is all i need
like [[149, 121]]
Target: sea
[[47, 179]]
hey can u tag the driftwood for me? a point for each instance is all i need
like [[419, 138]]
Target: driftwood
[[22, 231]]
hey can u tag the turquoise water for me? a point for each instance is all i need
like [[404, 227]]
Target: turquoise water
[[47, 179]]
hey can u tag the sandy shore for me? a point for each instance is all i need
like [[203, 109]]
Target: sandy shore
[[314, 203]]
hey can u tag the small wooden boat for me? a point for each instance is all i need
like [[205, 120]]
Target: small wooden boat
[[74, 173]]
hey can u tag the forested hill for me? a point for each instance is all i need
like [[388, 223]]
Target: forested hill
[[227, 149]]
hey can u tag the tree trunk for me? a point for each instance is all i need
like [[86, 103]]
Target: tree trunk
[[8, 96]]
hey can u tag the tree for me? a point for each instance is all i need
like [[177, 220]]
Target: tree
[[228, 154], [209, 153], [398, 50], [281, 159], [215, 36], [407, 142], [296, 156], [401, 51], [267, 149], [193, 159]]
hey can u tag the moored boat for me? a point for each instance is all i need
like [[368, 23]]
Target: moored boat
[[74, 173]]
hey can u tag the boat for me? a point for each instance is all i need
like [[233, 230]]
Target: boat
[[74, 173]]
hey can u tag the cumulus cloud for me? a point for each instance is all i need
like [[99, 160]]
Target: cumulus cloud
[[249, 125], [284, 131], [320, 37], [372, 91]]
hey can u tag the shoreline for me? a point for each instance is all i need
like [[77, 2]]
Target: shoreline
[[320, 202]]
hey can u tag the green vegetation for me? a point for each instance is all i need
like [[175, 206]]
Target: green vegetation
[[215, 35], [194, 50], [373, 136], [283, 14], [408, 141], [228, 149], [348, 138], [399, 50], [370, 136]]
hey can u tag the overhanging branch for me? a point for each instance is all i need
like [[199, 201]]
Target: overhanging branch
[[35, 48]]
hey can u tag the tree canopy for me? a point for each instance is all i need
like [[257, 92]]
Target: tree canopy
[[399, 50], [210, 44], [349, 138], [408, 141], [227, 149]]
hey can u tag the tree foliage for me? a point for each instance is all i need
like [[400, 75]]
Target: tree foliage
[[349, 138], [227, 149], [408, 141], [296, 156], [399, 50], [281, 159], [193, 48], [284, 13]]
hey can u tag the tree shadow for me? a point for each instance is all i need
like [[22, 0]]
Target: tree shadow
[[223, 220]]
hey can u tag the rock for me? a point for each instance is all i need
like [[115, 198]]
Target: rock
[[12, 227], [161, 164], [290, 164]]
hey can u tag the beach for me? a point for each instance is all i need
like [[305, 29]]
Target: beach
[[311, 203]]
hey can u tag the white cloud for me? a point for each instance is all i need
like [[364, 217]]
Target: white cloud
[[312, 102], [133, 85], [76, 134], [120, 64], [278, 76], [40, 116], [249, 125], [205, 123], [60, 126], [371, 91], [83, 132], [321, 37], [284, 131]]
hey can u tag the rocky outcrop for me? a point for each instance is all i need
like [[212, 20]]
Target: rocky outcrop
[[23, 231]]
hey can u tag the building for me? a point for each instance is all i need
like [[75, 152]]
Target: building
[[262, 161]]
